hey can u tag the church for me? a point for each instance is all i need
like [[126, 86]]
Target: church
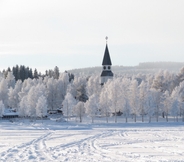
[[106, 66]]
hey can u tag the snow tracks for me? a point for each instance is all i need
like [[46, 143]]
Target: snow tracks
[[98, 144]]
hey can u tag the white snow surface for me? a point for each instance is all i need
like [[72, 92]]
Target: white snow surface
[[51, 141]]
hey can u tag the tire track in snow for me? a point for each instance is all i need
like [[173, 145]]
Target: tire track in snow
[[29, 151], [40, 148], [76, 148], [87, 147]]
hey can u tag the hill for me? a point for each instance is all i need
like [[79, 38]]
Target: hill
[[144, 68]]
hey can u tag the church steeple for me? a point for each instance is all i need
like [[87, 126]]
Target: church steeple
[[106, 63], [106, 59]]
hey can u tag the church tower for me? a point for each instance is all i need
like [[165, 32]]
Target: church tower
[[106, 64]]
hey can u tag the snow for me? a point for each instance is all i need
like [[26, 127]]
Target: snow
[[48, 140]]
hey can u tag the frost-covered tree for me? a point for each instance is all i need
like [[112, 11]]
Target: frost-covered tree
[[62, 85], [180, 76], [40, 90], [143, 100], [181, 98], [41, 107], [166, 102], [175, 103], [169, 81], [1, 76], [126, 109], [175, 108], [92, 106], [13, 95], [158, 82], [114, 96], [52, 94], [151, 104], [4, 92], [124, 98], [68, 105], [12, 102], [24, 107], [31, 101], [10, 80], [1, 108], [93, 86], [26, 86], [134, 100], [156, 99], [79, 110], [75, 85], [64, 77], [105, 103]]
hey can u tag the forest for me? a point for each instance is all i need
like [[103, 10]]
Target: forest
[[158, 95]]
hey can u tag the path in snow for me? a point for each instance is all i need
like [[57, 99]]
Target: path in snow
[[97, 144]]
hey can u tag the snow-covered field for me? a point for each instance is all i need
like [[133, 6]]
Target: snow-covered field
[[61, 141]]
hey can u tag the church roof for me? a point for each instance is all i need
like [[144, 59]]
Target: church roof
[[106, 59]]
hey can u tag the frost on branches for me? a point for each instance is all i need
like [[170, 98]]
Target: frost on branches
[[148, 97]]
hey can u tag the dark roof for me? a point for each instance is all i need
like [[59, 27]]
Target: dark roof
[[106, 59], [107, 73]]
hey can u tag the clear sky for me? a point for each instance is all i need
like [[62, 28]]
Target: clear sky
[[71, 34]]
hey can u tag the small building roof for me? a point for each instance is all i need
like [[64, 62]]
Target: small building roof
[[106, 59]]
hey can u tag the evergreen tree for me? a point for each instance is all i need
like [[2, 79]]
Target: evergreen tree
[[81, 94], [56, 73], [35, 75], [22, 72], [30, 73]]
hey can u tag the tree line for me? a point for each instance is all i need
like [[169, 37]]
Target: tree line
[[142, 95], [22, 72]]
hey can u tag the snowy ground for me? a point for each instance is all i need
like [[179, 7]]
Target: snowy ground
[[57, 141]]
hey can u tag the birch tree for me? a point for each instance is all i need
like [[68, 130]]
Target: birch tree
[[166, 104], [68, 105], [105, 103], [143, 99], [134, 101], [41, 107], [79, 110], [92, 106], [114, 96]]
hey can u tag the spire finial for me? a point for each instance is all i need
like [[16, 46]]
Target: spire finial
[[106, 39]]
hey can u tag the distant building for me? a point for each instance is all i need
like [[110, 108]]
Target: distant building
[[10, 113], [106, 64]]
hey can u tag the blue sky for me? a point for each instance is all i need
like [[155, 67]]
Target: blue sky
[[71, 34]]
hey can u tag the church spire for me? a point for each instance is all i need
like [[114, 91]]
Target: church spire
[[106, 58], [106, 63]]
